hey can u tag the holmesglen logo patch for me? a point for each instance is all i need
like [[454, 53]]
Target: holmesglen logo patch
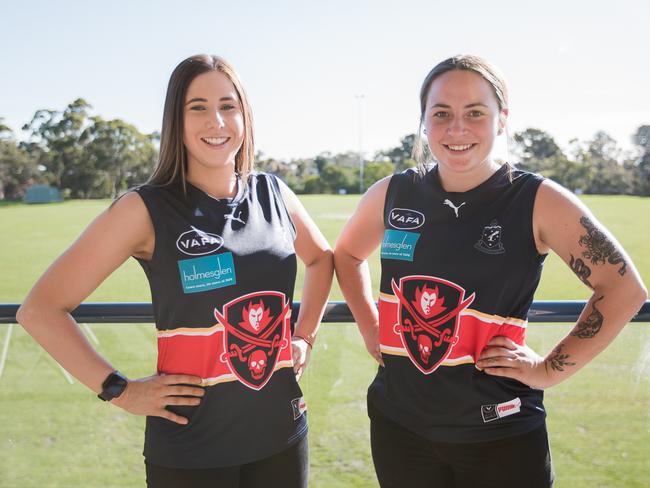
[[398, 244], [405, 218], [207, 273], [195, 242]]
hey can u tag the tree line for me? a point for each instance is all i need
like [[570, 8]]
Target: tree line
[[86, 156]]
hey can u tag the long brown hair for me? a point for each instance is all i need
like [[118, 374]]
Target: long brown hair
[[172, 161], [466, 62]]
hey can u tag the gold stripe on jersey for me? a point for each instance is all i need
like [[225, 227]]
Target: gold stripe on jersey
[[198, 331], [495, 319], [393, 351], [191, 331], [388, 297], [226, 378], [400, 351], [458, 361]]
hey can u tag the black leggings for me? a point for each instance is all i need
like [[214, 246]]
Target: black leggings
[[404, 459], [289, 469]]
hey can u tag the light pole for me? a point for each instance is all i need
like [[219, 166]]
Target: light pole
[[360, 98]]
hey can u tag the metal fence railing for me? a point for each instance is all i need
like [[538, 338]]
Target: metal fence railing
[[130, 313]]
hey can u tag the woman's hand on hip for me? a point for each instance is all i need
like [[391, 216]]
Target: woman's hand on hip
[[300, 352], [150, 395], [371, 338], [504, 357]]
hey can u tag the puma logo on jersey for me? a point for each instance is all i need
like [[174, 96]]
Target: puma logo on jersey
[[405, 218], [232, 217], [450, 204]]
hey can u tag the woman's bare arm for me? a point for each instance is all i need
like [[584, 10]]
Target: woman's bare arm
[[315, 252], [123, 230], [563, 224], [359, 238]]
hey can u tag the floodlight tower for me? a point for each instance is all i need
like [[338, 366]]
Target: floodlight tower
[[360, 98]]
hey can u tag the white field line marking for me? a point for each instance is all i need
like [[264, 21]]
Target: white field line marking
[[90, 332], [65, 373], [5, 349]]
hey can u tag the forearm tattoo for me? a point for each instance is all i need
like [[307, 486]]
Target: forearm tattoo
[[558, 360], [583, 271], [591, 326], [599, 248]]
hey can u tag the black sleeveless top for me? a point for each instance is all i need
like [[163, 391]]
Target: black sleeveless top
[[457, 270], [222, 278]]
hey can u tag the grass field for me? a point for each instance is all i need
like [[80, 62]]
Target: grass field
[[57, 434]]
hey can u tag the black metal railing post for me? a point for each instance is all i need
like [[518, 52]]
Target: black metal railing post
[[138, 312]]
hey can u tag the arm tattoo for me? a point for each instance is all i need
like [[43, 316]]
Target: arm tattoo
[[583, 271], [558, 360], [599, 248], [590, 327]]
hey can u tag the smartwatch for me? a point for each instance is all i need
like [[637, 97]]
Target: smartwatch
[[113, 386]]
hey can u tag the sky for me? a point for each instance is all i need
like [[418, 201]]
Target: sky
[[332, 75]]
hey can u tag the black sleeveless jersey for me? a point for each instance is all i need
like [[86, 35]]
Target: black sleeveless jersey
[[222, 277], [457, 270]]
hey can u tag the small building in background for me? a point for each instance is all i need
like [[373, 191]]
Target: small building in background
[[42, 194]]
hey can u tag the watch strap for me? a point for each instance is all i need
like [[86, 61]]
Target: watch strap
[[113, 386]]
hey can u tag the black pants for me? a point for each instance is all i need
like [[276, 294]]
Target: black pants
[[404, 459], [288, 469]]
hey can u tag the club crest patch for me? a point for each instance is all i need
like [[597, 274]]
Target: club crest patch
[[428, 318], [490, 241], [254, 328]]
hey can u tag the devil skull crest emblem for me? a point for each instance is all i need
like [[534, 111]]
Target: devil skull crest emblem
[[254, 335], [428, 316]]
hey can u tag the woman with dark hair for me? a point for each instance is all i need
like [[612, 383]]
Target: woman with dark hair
[[457, 400], [218, 243]]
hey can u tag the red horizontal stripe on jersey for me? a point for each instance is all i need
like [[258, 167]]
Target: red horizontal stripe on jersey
[[473, 333], [201, 355]]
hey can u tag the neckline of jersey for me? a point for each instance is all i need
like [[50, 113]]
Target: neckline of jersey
[[478, 189], [230, 202]]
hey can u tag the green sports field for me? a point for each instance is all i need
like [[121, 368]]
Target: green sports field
[[54, 433]]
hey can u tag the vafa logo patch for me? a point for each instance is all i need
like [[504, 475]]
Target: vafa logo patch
[[405, 218], [196, 242]]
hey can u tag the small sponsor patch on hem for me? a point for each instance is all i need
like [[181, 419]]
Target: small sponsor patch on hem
[[299, 407], [500, 410]]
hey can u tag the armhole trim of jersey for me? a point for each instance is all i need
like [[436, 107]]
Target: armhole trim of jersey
[[537, 180], [275, 183], [156, 230]]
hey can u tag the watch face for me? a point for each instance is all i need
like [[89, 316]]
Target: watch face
[[113, 386]]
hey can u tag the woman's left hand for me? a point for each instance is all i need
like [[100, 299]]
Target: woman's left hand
[[300, 351], [504, 357]]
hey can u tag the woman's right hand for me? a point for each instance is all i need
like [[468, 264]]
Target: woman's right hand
[[371, 338], [150, 395]]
